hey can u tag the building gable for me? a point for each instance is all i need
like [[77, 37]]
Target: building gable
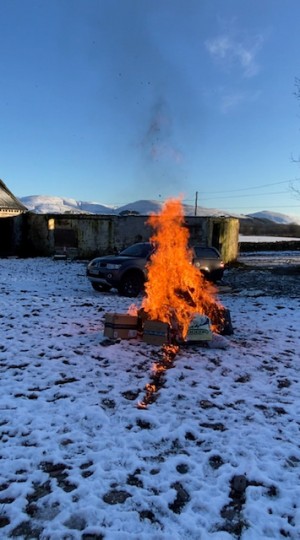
[[9, 204]]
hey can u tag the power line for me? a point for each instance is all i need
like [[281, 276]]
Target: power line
[[243, 196], [204, 198], [250, 188], [257, 187], [261, 207]]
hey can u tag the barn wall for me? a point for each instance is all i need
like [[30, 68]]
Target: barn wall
[[94, 235], [199, 230], [85, 236], [38, 238], [223, 234], [11, 235], [229, 238]]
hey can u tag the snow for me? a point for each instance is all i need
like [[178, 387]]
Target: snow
[[47, 204], [215, 457], [254, 238], [276, 217], [267, 259]]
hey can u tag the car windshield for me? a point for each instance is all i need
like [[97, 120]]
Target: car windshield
[[205, 253], [137, 250]]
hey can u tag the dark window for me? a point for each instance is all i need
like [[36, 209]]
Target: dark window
[[65, 238]]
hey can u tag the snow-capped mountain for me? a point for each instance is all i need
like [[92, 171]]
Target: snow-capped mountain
[[276, 217], [44, 204], [145, 207]]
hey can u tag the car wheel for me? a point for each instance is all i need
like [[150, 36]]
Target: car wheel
[[216, 276], [100, 288], [206, 275], [131, 285]]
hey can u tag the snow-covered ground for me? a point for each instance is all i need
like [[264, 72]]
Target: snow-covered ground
[[215, 457], [271, 259], [254, 238]]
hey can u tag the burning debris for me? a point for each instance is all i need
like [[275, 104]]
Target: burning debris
[[120, 325], [165, 362], [176, 292], [180, 306]]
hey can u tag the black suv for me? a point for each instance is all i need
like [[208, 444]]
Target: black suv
[[126, 271], [209, 262]]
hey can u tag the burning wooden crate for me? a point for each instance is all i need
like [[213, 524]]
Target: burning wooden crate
[[180, 305], [120, 325], [156, 332], [199, 329], [160, 333]]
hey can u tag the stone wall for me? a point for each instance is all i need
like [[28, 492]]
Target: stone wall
[[284, 245], [11, 235], [84, 236]]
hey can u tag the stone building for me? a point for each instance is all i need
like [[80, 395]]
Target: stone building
[[11, 210], [84, 236], [9, 204]]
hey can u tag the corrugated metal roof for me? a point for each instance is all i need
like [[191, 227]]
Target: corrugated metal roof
[[8, 201]]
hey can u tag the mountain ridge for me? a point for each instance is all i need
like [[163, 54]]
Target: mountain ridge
[[46, 204]]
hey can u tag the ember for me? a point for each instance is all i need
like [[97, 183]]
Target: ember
[[168, 353], [176, 291]]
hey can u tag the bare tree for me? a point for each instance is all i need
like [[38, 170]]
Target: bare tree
[[295, 190]]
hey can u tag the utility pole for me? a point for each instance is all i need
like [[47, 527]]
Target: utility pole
[[196, 203]]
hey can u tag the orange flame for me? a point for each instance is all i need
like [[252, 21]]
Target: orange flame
[[175, 290]]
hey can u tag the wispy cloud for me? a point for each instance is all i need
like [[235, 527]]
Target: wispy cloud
[[232, 52], [232, 100]]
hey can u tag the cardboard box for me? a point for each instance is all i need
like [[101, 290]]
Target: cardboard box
[[156, 332], [199, 329], [118, 325]]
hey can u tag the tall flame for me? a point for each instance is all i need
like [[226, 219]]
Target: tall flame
[[175, 290]]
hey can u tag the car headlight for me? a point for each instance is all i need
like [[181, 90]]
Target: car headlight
[[111, 266]]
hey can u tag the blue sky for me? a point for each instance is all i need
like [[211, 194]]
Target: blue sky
[[113, 101]]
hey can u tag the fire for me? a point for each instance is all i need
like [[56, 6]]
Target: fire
[[158, 374], [132, 310], [175, 290]]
